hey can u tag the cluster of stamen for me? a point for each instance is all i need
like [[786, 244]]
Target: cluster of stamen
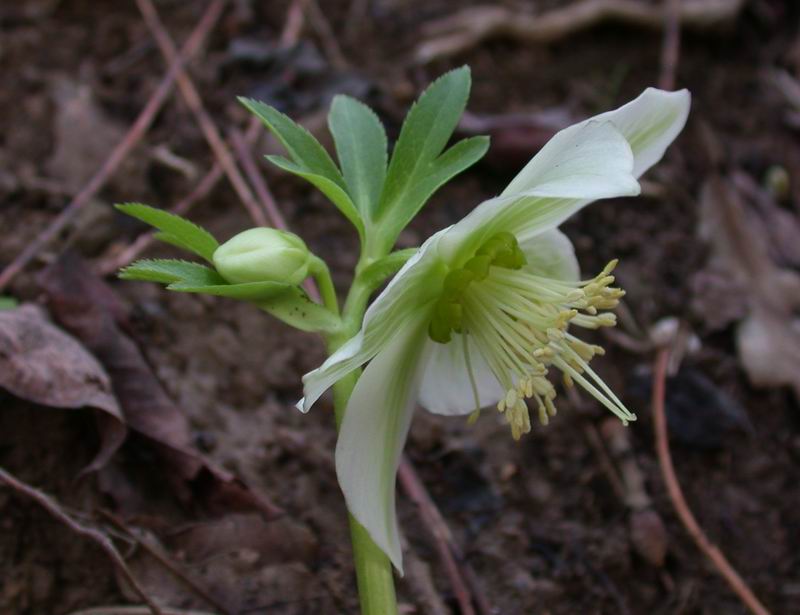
[[519, 321]]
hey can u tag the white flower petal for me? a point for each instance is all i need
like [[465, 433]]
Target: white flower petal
[[588, 160], [446, 387], [567, 173], [580, 164], [408, 294], [650, 123], [552, 255], [374, 431]]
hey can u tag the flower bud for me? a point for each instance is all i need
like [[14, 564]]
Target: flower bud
[[263, 255]]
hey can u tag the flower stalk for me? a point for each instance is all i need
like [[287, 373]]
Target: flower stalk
[[374, 575]]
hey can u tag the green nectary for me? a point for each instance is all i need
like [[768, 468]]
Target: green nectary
[[500, 250]]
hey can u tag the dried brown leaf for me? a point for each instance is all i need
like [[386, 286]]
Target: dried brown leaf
[[768, 336], [42, 364], [88, 308]]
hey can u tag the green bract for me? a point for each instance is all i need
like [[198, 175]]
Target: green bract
[[488, 309], [263, 255]]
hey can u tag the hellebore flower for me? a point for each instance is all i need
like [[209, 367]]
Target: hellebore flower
[[487, 309]]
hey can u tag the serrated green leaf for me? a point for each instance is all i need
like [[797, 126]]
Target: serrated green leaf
[[361, 147], [174, 229], [303, 148], [337, 195], [295, 308], [309, 159], [462, 155], [426, 130], [170, 271]]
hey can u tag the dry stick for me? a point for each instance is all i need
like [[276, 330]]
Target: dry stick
[[123, 148], [444, 540], [294, 23], [206, 185], [134, 610], [289, 36], [166, 563], [328, 38], [103, 541], [195, 104], [245, 156], [470, 27], [671, 46], [736, 583]]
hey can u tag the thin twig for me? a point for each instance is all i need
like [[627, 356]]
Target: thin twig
[[671, 46], [245, 156], [103, 541], [295, 18], [469, 27], [289, 37], [195, 104], [134, 610], [327, 36], [736, 583], [445, 544], [123, 148], [165, 562]]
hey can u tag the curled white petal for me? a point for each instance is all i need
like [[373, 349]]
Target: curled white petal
[[650, 123], [588, 160], [373, 434], [580, 164]]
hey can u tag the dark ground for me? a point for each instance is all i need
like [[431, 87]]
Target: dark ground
[[538, 521]]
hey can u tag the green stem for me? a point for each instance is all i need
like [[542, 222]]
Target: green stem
[[373, 568], [319, 269]]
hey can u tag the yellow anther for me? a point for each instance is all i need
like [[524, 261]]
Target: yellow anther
[[610, 267], [511, 398], [551, 407], [607, 320], [544, 419]]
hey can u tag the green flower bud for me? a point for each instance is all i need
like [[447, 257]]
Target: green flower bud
[[263, 255]]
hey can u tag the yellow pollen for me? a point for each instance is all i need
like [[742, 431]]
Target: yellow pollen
[[523, 324]]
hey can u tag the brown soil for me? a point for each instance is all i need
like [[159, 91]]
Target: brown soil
[[538, 521]]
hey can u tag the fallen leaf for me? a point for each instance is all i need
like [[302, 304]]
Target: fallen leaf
[[84, 136], [42, 364], [280, 541], [88, 308], [768, 336]]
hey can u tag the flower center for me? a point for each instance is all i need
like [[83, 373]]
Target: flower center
[[519, 322]]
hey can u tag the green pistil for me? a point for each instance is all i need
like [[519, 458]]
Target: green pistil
[[500, 250]]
